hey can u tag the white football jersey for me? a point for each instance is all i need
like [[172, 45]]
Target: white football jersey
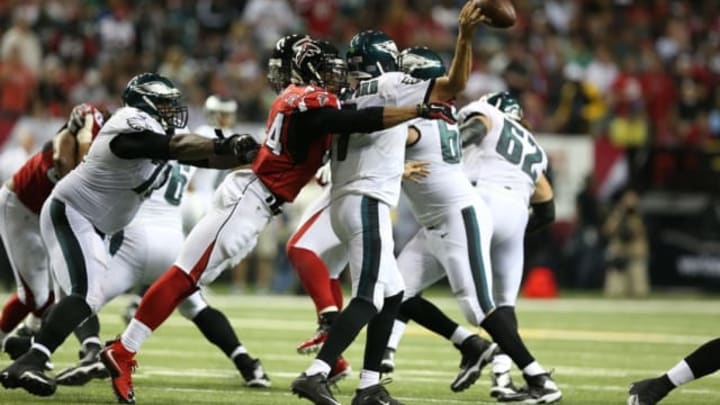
[[508, 157], [106, 189], [446, 184], [372, 164]]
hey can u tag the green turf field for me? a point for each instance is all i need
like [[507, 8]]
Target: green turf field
[[596, 347]]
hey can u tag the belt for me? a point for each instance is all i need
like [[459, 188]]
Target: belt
[[274, 203]]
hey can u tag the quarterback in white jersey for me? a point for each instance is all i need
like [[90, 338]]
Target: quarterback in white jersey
[[126, 162], [366, 171]]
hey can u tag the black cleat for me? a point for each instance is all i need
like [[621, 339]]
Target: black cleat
[[252, 371], [540, 389], [314, 388], [28, 373], [374, 395], [476, 354], [88, 368], [647, 392], [16, 345]]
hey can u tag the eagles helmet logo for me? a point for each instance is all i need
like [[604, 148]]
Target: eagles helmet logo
[[387, 47]]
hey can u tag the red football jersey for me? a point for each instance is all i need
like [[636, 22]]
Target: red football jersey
[[34, 180], [288, 159]]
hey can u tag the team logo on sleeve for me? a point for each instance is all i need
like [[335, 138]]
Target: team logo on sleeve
[[137, 123], [322, 99]]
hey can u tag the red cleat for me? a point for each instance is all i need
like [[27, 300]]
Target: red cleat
[[340, 370], [314, 343], [121, 364]]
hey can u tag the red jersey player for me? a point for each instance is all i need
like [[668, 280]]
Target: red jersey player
[[297, 138], [21, 199]]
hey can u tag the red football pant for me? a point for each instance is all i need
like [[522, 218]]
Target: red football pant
[[315, 278], [163, 296]]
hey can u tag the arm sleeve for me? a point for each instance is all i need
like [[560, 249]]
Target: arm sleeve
[[320, 121], [141, 145], [472, 131], [543, 214]]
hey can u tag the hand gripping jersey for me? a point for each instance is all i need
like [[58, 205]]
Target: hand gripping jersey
[[507, 158], [106, 189], [446, 185], [289, 158], [372, 164]]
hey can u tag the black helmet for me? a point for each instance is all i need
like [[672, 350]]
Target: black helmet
[[318, 63], [280, 62], [370, 54], [156, 95], [421, 62]]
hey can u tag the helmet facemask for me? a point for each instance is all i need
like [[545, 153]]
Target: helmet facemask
[[172, 114]]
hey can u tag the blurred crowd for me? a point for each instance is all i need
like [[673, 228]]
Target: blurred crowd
[[639, 71]]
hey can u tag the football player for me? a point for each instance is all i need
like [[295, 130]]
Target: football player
[[21, 198], [139, 254], [125, 163], [314, 252], [507, 166], [366, 171], [298, 132], [701, 362]]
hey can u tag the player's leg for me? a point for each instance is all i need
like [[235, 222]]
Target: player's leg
[[128, 256], [216, 328], [701, 362], [226, 234], [507, 256], [78, 258], [304, 249], [361, 223], [419, 270], [20, 234]]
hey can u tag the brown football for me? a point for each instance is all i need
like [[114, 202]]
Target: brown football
[[500, 12]]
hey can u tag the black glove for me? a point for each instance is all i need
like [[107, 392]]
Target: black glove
[[241, 145], [437, 111]]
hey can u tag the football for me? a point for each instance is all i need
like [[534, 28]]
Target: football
[[500, 12]]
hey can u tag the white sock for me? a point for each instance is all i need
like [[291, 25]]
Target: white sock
[[680, 374], [331, 308], [238, 351], [501, 363], [533, 368], [33, 322], [318, 366], [41, 348], [92, 340], [398, 330], [134, 335], [368, 378], [460, 335]]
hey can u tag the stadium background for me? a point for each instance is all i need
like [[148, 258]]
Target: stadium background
[[639, 107]]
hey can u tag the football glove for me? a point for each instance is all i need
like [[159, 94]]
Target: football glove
[[243, 146], [437, 111]]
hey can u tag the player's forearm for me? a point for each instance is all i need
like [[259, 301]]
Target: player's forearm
[[448, 86], [189, 147], [64, 150]]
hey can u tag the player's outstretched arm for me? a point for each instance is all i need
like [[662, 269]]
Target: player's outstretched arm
[[188, 148], [446, 87], [64, 152], [330, 120]]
